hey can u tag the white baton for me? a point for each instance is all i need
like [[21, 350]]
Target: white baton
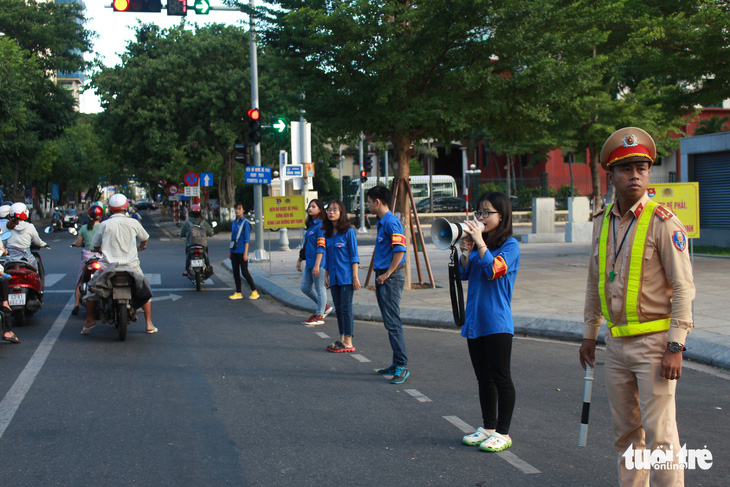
[[583, 434]]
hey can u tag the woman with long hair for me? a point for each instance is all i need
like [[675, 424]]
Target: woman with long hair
[[340, 274], [83, 240], [311, 254], [490, 260]]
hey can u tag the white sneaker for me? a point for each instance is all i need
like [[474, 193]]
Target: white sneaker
[[477, 437], [327, 310]]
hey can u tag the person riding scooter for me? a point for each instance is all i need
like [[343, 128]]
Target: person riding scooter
[[84, 240], [23, 235], [196, 231], [117, 239]]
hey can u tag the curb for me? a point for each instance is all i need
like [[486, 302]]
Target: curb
[[702, 349]]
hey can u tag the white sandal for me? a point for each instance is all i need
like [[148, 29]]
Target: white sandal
[[477, 438], [496, 442]]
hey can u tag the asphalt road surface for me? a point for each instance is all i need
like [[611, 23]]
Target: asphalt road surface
[[240, 393]]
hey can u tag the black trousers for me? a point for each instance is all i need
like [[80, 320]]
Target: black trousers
[[5, 318], [491, 356], [240, 266]]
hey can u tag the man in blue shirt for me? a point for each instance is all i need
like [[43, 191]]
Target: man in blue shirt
[[389, 258]]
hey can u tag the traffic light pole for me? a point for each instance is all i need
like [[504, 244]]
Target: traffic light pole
[[362, 190], [258, 201]]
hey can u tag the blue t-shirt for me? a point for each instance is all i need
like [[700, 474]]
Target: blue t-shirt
[[245, 235], [341, 254], [313, 243], [489, 297], [391, 238]]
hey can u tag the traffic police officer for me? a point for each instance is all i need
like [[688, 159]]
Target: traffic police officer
[[640, 281]]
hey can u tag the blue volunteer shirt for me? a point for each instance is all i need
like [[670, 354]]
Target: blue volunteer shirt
[[340, 255], [245, 235], [391, 238], [489, 297], [313, 243]]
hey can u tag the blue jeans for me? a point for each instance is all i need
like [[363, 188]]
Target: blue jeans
[[319, 293], [388, 295], [342, 297]]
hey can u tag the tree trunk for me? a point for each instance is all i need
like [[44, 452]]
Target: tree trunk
[[227, 188], [402, 146], [596, 180]]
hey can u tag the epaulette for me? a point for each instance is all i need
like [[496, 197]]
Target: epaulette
[[663, 213], [598, 213]]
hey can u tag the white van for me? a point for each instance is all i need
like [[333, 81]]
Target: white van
[[441, 185]]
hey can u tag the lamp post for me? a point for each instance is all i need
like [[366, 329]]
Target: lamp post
[[473, 175]]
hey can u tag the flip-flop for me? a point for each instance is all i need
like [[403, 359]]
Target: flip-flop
[[87, 329], [12, 338], [153, 330], [339, 347]]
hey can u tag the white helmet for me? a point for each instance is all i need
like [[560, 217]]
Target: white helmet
[[4, 211], [118, 202], [19, 211]]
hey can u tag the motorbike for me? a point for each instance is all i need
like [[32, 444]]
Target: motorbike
[[198, 271], [91, 266], [116, 308], [26, 286]]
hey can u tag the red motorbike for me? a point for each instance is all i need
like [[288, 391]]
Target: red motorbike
[[92, 265], [26, 287]]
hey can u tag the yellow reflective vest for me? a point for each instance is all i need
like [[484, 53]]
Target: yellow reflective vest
[[633, 283]]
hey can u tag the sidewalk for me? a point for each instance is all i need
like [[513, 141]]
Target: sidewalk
[[548, 297]]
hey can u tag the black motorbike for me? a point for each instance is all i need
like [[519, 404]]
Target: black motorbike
[[198, 268], [116, 308]]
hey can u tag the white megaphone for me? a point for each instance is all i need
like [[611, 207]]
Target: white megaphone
[[444, 234]]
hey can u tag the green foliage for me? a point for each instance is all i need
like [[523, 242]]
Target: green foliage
[[415, 167], [712, 125]]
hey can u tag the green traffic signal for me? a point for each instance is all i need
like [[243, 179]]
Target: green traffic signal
[[279, 125]]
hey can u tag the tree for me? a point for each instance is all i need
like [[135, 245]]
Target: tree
[[712, 125]]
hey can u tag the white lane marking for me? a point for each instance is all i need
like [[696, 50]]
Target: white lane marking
[[321, 334], [165, 239], [360, 358], [160, 290], [17, 392], [154, 279], [419, 396], [174, 297], [507, 456], [52, 279]]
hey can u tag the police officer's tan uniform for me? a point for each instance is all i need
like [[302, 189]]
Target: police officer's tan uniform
[[644, 288]]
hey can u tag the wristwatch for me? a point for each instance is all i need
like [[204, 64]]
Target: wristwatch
[[675, 347]]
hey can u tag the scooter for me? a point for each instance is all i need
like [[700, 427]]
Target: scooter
[[198, 271], [26, 286], [116, 308], [91, 266]]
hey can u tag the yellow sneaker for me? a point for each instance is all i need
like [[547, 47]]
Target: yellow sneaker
[[236, 296], [254, 295]]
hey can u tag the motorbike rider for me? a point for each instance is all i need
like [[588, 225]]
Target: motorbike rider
[[23, 235], [4, 212], [117, 239], [83, 240], [5, 309], [195, 220]]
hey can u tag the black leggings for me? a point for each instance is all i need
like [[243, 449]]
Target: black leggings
[[240, 266], [490, 357], [5, 319]]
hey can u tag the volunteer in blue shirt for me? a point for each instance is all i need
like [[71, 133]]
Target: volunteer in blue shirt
[[340, 264], [389, 257], [240, 240], [490, 262], [311, 254]]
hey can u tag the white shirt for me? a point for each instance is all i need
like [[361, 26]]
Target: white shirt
[[118, 237], [23, 235]]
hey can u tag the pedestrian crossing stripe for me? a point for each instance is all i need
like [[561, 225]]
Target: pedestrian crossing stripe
[[52, 279], [154, 279]]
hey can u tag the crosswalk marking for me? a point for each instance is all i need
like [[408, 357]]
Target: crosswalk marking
[[321, 334], [360, 358], [419, 396], [52, 279], [154, 279]]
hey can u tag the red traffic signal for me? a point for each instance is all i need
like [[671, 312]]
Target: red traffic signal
[[254, 114], [363, 176]]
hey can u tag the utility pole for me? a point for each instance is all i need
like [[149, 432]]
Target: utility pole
[[258, 201], [362, 189]]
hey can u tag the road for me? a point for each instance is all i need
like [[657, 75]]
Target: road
[[240, 393]]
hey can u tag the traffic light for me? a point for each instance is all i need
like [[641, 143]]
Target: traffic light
[[368, 163], [177, 7], [241, 154], [381, 166], [137, 5], [363, 176], [254, 125]]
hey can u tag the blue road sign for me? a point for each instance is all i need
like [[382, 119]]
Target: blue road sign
[[206, 179], [258, 175]]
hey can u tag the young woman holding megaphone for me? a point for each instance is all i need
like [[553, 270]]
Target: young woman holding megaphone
[[490, 259]]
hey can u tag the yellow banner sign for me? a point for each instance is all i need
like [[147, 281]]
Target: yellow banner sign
[[284, 211], [682, 199]]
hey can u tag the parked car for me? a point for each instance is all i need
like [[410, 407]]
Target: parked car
[[444, 204], [144, 205]]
